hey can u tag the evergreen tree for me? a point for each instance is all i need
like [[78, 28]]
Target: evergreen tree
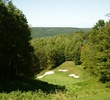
[[15, 50]]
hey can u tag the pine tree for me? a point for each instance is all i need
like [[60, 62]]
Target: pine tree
[[15, 50]]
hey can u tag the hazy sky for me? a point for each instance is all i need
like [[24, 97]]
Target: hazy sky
[[63, 13]]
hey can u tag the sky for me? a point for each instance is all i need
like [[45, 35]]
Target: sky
[[63, 13]]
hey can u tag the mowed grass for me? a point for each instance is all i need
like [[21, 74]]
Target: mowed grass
[[85, 87], [63, 78], [58, 79], [58, 86]]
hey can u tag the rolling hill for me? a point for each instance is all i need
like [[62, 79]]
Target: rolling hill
[[57, 86], [37, 32], [86, 87]]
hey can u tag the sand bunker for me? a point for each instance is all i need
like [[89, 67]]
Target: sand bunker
[[62, 70], [40, 76], [73, 75], [49, 72], [46, 73], [52, 72]]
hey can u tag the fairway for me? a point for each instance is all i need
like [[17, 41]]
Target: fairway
[[83, 88], [59, 78], [63, 78], [59, 85]]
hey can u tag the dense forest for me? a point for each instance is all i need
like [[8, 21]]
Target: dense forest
[[90, 49], [27, 52], [38, 32], [21, 55], [15, 49]]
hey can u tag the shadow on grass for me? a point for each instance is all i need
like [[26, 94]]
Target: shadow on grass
[[26, 85]]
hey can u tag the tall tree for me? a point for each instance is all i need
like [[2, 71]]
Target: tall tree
[[95, 54], [15, 42], [3, 41]]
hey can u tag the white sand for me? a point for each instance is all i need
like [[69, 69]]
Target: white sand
[[52, 72], [62, 70], [40, 76], [46, 73], [49, 72], [73, 75]]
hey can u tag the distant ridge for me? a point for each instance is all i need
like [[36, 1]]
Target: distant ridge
[[38, 32]]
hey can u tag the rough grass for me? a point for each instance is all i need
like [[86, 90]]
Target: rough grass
[[58, 86]]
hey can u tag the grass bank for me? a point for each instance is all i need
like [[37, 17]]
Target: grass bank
[[56, 86]]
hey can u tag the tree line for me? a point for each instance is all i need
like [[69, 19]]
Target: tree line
[[21, 56], [95, 54], [51, 52], [38, 32], [91, 49], [15, 49]]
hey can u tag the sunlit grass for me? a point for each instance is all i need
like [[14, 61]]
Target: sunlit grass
[[58, 86], [84, 87]]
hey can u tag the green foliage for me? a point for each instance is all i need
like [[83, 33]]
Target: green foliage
[[95, 54], [99, 24], [52, 86], [15, 50], [51, 52], [38, 32]]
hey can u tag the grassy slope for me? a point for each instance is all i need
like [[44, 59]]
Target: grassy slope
[[52, 87], [62, 78], [83, 88]]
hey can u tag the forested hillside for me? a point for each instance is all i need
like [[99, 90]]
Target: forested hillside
[[19, 55], [95, 54], [37, 32], [51, 52], [91, 49], [26, 52]]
